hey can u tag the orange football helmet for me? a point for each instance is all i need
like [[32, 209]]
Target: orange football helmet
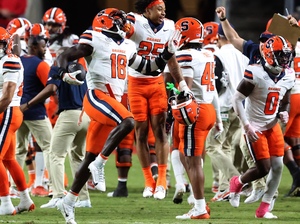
[[277, 53], [17, 23], [185, 109], [210, 33], [4, 40], [192, 30], [108, 19], [38, 29], [57, 16]]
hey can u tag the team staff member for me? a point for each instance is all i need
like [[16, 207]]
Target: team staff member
[[35, 118], [68, 137]]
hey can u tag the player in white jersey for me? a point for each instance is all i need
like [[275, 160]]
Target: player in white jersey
[[11, 117], [55, 21], [266, 90], [147, 96], [197, 67], [108, 56]]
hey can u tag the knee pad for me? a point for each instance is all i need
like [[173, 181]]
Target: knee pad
[[123, 157]]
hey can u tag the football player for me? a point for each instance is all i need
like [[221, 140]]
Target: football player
[[11, 117], [266, 89], [253, 52], [108, 55], [150, 31], [198, 71], [55, 21]]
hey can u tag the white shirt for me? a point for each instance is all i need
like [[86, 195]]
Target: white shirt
[[234, 64]]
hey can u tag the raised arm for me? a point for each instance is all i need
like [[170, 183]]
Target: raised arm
[[229, 32]]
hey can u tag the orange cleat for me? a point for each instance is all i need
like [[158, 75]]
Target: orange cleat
[[39, 191]]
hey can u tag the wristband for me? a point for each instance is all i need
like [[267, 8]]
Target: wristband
[[182, 85], [223, 19], [166, 55]]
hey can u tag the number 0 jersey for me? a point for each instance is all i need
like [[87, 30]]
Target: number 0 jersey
[[149, 41], [11, 70], [263, 103], [198, 65], [108, 63]]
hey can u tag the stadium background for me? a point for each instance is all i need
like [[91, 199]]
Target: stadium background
[[248, 17]]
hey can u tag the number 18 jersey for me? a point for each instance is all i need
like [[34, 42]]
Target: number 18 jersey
[[108, 64]]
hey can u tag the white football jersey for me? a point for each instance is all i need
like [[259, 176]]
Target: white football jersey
[[66, 42], [202, 64], [149, 42], [11, 70], [263, 103], [108, 63]]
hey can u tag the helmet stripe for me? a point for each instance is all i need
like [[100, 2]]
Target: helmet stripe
[[52, 14]]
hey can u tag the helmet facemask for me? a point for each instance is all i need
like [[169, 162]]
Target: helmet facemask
[[114, 22], [277, 53], [4, 48]]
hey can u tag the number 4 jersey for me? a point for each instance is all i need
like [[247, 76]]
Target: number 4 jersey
[[263, 103]]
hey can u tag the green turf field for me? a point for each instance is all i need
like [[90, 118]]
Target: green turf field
[[138, 210]]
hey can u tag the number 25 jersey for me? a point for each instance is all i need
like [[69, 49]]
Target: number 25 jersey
[[149, 41]]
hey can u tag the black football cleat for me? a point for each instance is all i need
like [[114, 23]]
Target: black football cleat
[[119, 192]]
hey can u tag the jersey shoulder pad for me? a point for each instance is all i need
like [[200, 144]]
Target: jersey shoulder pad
[[131, 17], [11, 63], [86, 36]]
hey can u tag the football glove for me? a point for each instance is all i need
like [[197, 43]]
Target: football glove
[[71, 78]]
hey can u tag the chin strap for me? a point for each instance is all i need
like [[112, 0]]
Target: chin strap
[[276, 70]]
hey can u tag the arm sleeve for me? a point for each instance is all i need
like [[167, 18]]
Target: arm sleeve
[[238, 106]]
